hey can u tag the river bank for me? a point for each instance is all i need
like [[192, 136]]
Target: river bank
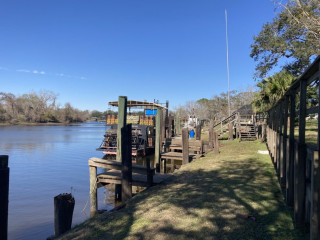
[[234, 195], [39, 124]]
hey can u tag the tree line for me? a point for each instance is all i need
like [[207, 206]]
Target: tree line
[[216, 108], [38, 108]]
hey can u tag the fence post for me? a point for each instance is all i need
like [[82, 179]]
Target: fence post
[[291, 151], [4, 196], [300, 163], [285, 136], [230, 132], [185, 146], [63, 211], [315, 186], [210, 138], [126, 152], [216, 143]]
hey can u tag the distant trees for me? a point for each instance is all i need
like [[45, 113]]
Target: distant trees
[[37, 108], [216, 108]]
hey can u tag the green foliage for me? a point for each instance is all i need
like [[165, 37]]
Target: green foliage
[[288, 37], [271, 90]]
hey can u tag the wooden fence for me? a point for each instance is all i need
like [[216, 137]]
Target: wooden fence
[[297, 162]]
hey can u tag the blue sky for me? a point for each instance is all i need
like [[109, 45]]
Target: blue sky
[[90, 52]]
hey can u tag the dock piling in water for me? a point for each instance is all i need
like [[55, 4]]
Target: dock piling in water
[[63, 211], [126, 172], [93, 190], [122, 121]]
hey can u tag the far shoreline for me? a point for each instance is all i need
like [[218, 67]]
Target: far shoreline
[[24, 124]]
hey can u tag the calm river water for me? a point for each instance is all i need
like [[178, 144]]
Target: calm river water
[[45, 161]]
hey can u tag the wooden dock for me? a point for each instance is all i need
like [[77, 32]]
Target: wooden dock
[[141, 176], [182, 150], [116, 173]]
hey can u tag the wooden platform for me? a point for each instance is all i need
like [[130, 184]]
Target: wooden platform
[[113, 173]]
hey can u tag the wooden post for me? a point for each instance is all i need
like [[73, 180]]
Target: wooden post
[[263, 134], [185, 146], [63, 211], [230, 131], [122, 121], [4, 196], [300, 162], [126, 173], [210, 138], [170, 126], [315, 186], [216, 143], [158, 137], [315, 189], [93, 191], [163, 129], [149, 173], [285, 137], [198, 132], [291, 150]]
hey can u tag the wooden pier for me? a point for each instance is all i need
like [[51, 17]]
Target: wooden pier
[[141, 175], [122, 172]]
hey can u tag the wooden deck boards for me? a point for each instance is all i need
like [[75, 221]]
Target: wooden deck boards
[[114, 176]]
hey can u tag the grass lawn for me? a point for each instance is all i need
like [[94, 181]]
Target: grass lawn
[[206, 199]]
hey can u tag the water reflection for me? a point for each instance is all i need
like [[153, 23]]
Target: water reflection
[[45, 161]]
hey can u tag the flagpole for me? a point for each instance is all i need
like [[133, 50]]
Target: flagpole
[[227, 60]]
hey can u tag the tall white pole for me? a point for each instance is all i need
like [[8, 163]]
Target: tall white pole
[[227, 60]]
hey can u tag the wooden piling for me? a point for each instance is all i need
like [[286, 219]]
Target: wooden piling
[[122, 121], [170, 126], [149, 172], [185, 146], [63, 211], [157, 146], [93, 191], [4, 196], [198, 132], [126, 152]]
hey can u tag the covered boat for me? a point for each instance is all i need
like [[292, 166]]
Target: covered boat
[[143, 129]]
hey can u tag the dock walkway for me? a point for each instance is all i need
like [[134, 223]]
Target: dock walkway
[[233, 195]]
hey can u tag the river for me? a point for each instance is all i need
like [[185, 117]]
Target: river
[[45, 161]]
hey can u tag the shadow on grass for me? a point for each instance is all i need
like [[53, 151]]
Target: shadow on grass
[[202, 203]]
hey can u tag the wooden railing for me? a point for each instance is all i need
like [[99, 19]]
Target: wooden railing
[[296, 162]]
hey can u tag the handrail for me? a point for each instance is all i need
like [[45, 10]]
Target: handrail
[[232, 115]]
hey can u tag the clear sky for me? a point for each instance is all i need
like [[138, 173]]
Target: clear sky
[[91, 51]]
